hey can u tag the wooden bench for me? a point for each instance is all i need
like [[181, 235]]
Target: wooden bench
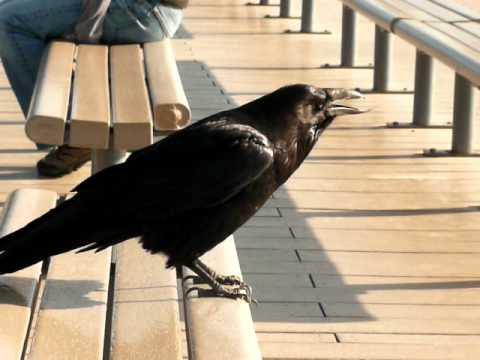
[[438, 29], [122, 302]]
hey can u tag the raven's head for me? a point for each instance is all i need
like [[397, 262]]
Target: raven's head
[[317, 108], [302, 105], [294, 116], [303, 110]]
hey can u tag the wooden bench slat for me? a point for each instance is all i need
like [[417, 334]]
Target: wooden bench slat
[[440, 12], [146, 323], [132, 118], [472, 27], [218, 328], [463, 59], [73, 310], [170, 105], [49, 107], [381, 12], [407, 10], [437, 29], [453, 18], [90, 116], [459, 34], [17, 291]]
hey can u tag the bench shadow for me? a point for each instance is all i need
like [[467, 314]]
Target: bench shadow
[[18, 172], [63, 294]]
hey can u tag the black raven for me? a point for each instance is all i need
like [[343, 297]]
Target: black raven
[[186, 193]]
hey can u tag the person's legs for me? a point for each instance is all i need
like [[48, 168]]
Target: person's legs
[[25, 28], [138, 21]]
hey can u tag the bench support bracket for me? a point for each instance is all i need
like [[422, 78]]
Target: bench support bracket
[[463, 116], [349, 25], [308, 15], [102, 159], [422, 103], [284, 9], [383, 59]]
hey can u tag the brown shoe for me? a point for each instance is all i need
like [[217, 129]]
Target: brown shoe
[[63, 160]]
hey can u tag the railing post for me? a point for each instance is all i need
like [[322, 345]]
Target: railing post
[[284, 8], [308, 11], [422, 102], [349, 23], [463, 116], [383, 55]]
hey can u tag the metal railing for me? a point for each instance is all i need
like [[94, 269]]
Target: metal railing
[[386, 25]]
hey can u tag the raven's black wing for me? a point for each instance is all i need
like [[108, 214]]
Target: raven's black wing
[[198, 167]]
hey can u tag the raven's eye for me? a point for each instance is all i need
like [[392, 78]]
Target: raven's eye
[[317, 107]]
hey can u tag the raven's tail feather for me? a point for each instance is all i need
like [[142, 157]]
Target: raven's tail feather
[[67, 227]]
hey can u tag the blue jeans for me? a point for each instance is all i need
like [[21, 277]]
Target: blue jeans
[[26, 26]]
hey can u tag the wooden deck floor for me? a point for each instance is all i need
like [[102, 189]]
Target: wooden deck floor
[[370, 251]]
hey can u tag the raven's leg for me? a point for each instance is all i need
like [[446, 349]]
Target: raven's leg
[[239, 291], [222, 279]]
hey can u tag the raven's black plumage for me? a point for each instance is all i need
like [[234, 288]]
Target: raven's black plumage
[[185, 194]]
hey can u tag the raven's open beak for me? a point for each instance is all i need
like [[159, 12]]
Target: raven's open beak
[[335, 109]]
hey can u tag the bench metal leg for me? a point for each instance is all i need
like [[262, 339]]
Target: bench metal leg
[[422, 103], [349, 24], [102, 159], [284, 8], [383, 56], [308, 14], [463, 116]]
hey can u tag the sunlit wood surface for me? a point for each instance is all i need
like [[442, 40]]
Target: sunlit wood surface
[[370, 251]]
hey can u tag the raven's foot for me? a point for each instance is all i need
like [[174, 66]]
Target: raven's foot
[[230, 286], [229, 280], [243, 292]]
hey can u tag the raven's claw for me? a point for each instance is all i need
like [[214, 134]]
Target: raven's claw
[[230, 286], [242, 291], [229, 280]]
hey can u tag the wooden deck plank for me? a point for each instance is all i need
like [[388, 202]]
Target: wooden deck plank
[[409, 339], [406, 220], [454, 294], [369, 351], [372, 325], [287, 338], [420, 235], [402, 311], [374, 203], [262, 265], [18, 290], [354, 243]]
